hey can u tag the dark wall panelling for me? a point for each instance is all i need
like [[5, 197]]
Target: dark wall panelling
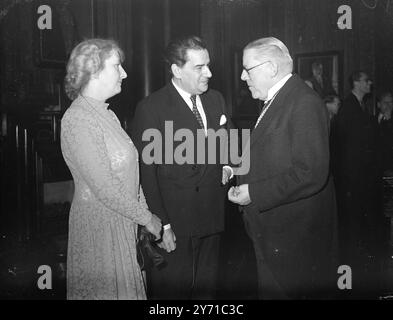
[[384, 49], [143, 28], [227, 26]]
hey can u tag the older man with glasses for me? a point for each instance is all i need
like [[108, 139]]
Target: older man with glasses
[[287, 196]]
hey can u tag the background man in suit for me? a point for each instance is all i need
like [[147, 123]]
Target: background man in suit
[[358, 178], [189, 197], [287, 196], [385, 124]]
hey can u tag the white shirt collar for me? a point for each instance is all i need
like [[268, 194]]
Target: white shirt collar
[[184, 94], [187, 99], [273, 90]]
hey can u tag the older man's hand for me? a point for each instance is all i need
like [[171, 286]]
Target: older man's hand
[[168, 240], [239, 195]]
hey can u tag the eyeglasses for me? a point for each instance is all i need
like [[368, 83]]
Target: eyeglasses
[[249, 69]]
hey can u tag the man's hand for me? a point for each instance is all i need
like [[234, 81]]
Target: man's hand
[[154, 226], [226, 175], [239, 195], [168, 240]]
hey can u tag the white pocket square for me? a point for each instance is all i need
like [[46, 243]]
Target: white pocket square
[[223, 120]]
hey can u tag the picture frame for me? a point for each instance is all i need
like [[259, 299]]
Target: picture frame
[[331, 64], [53, 45], [49, 44]]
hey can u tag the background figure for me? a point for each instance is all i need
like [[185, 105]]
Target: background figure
[[319, 82], [385, 124], [108, 203], [188, 197], [288, 197], [358, 178], [332, 103]]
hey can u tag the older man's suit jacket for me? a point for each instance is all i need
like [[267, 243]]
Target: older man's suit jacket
[[188, 196], [292, 217]]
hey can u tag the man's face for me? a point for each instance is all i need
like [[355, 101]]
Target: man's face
[[317, 70], [334, 106], [364, 83], [258, 76], [194, 75], [386, 103]]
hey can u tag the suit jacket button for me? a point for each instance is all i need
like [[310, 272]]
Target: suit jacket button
[[197, 189]]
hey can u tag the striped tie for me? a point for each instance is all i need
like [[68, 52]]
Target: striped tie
[[196, 112]]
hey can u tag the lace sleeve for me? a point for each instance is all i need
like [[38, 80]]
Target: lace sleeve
[[142, 199], [82, 143]]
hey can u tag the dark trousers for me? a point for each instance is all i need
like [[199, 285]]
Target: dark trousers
[[301, 274], [268, 287], [190, 271], [363, 241], [361, 221]]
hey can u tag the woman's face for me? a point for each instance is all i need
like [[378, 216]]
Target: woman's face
[[111, 76]]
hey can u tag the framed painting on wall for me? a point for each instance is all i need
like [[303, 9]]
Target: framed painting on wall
[[54, 39], [322, 71]]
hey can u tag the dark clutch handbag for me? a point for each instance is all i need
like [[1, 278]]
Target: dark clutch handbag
[[147, 253]]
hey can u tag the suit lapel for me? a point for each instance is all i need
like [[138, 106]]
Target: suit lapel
[[209, 109], [185, 118], [181, 111], [275, 108], [266, 123]]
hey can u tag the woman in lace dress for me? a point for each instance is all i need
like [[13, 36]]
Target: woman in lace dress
[[108, 202]]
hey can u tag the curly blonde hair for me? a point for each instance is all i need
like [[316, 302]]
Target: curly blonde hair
[[86, 59]]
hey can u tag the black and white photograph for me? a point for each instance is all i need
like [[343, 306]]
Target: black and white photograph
[[189, 151]]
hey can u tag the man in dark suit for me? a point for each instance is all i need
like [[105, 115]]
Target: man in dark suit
[[188, 196], [385, 124], [287, 196], [359, 184]]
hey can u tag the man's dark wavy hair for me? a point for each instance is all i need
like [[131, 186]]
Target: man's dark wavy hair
[[355, 76], [176, 51]]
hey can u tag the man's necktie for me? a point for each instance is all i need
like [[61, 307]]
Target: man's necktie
[[265, 107], [363, 106], [196, 112], [266, 104]]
